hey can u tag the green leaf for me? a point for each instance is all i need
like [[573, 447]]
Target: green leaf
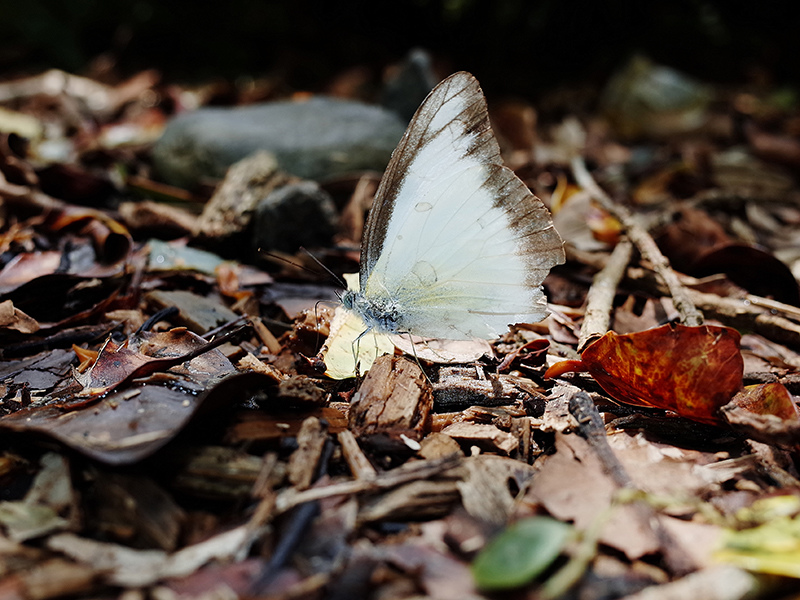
[[520, 553]]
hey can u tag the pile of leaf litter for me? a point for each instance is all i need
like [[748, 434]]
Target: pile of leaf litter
[[168, 429]]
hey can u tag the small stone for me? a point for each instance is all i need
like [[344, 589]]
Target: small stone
[[296, 215], [231, 208], [197, 313]]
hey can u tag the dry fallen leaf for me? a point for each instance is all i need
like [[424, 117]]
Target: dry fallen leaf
[[13, 318]]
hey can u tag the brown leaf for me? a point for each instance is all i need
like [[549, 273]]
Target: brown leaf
[[767, 399], [529, 356], [572, 485], [692, 232], [26, 267], [110, 237], [756, 270]]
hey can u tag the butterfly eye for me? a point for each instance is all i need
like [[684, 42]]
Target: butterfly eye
[[347, 300]]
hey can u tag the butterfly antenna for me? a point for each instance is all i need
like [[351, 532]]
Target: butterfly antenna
[[302, 267], [336, 278]]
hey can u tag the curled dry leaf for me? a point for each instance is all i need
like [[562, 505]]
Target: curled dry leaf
[[13, 318], [756, 270], [110, 237], [692, 371], [765, 412], [766, 399], [585, 224], [530, 355]]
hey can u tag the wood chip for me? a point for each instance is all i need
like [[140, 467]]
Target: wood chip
[[57, 578], [437, 445], [356, 459], [460, 387], [303, 461], [418, 500], [259, 427], [266, 336], [487, 437], [486, 492], [395, 398], [249, 361]]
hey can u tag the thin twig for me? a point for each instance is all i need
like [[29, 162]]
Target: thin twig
[[591, 426], [412, 472], [600, 299], [644, 243], [773, 320], [298, 523]]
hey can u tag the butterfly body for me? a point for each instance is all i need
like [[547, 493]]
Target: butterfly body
[[455, 246]]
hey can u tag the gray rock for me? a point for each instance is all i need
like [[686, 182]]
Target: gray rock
[[651, 100], [295, 215], [314, 139]]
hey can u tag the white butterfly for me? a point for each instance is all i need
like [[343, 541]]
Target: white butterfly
[[455, 246]]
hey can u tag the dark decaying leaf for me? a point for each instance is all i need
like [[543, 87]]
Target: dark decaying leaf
[[754, 269], [528, 355], [79, 298], [123, 426], [130, 425]]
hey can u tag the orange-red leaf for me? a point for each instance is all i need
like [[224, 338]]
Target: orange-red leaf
[[565, 366], [692, 371], [767, 399]]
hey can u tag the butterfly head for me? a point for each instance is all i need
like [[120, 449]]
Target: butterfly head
[[381, 315]]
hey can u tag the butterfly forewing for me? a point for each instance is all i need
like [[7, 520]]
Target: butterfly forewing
[[455, 241], [454, 98]]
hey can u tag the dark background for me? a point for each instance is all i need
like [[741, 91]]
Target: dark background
[[522, 46]]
